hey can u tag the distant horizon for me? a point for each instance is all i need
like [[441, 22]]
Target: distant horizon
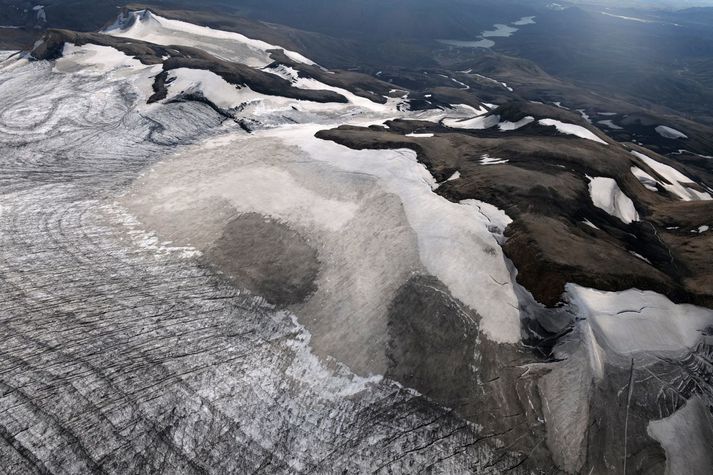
[[658, 4]]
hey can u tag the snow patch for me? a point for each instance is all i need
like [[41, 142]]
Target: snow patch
[[213, 87], [590, 224], [584, 115], [506, 126], [610, 124], [462, 84], [673, 181], [40, 13], [484, 109], [503, 84], [476, 123], [285, 72], [669, 133], [639, 256], [645, 179], [629, 18], [571, 129], [455, 176], [95, 59], [110, 63], [683, 434], [634, 321], [486, 159], [607, 195], [494, 218]]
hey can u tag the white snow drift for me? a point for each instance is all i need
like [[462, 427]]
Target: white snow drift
[[571, 129], [607, 195], [672, 180], [475, 123], [486, 159], [483, 122], [645, 179], [635, 321], [670, 133], [506, 126]]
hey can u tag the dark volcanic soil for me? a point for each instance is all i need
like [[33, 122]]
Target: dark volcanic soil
[[544, 188]]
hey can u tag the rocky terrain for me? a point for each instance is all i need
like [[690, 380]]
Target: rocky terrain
[[222, 255]]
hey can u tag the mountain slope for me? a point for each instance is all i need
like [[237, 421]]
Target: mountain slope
[[219, 256]]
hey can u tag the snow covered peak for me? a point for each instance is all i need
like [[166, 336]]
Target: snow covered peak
[[147, 26]]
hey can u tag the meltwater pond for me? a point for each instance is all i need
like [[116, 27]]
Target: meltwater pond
[[499, 30]]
